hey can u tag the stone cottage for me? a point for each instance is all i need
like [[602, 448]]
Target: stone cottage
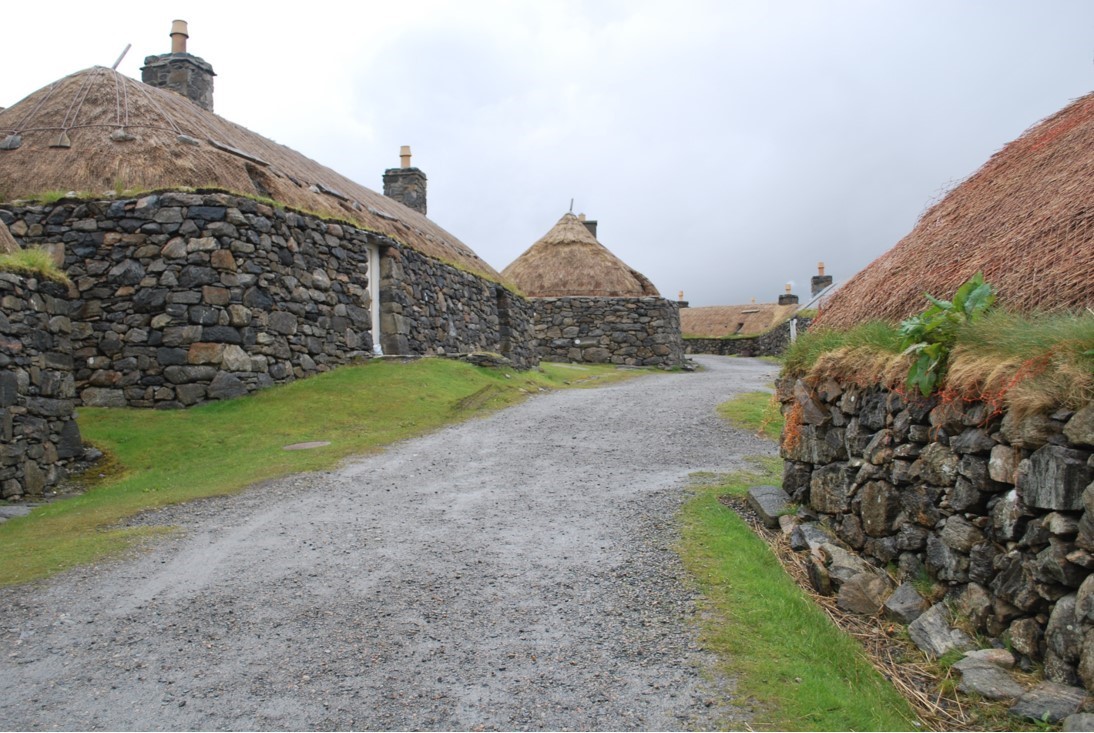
[[206, 261], [590, 306]]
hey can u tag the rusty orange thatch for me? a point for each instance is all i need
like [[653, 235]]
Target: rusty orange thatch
[[721, 321], [568, 261], [96, 132], [1025, 219]]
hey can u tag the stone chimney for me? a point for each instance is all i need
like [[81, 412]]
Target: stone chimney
[[680, 300], [820, 281], [180, 71], [406, 184], [590, 224], [788, 298]]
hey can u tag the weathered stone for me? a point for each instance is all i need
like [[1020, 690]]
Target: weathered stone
[[937, 465], [1085, 667], [1009, 516], [879, 507], [829, 489], [960, 535], [843, 565], [905, 604], [226, 386], [882, 549], [989, 682], [1080, 428], [931, 632], [1025, 636], [974, 603], [205, 353], [920, 504], [126, 272], [1049, 702], [911, 537], [1079, 722], [1052, 565], [945, 562], [872, 410], [850, 531], [1056, 478], [1063, 634], [879, 451], [768, 502], [99, 397], [221, 334], [963, 497], [796, 477], [1003, 464], [1014, 581], [1030, 431], [235, 359], [998, 658], [864, 593], [818, 576], [808, 536], [972, 440]]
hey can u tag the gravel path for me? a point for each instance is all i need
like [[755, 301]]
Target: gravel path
[[511, 572]]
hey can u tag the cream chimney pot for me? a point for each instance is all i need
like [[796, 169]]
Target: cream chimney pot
[[820, 268], [404, 156], [178, 36]]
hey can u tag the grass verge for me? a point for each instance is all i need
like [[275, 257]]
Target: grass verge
[[802, 671], [755, 411], [156, 458]]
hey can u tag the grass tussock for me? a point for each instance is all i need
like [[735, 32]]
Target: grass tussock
[[157, 458], [1021, 363], [33, 262]]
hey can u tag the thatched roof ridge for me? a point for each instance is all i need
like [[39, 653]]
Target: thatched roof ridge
[[722, 321], [1025, 219], [569, 261], [125, 134]]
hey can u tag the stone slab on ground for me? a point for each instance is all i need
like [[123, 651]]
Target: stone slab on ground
[[770, 502], [1079, 722], [987, 680], [13, 510], [905, 604], [808, 536], [933, 634], [1049, 702]]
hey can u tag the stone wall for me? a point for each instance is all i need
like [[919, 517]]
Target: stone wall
[[771, 343], [630, 331], [37, 423], [997, 510], [180, 298]]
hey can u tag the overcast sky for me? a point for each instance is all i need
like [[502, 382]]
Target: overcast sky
[[725, 146]]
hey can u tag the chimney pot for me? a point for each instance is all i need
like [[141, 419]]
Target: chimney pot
[[404, 156], [179, 35], [820, 269]]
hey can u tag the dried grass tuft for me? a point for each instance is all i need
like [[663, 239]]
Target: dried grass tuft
[[569, 261], [1025, 220]]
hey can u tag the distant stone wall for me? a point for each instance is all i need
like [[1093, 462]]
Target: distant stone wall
[[180, 298], [999, 510], [629, 331], [771, 343], [37, 424]]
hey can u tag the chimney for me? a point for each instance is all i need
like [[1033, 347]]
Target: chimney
[[181, 71], [788, 298], [680, 300], [590, 224], [820, 281], [406, 184]]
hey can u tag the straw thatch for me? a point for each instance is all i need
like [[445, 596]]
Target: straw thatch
[[1025, 219], [568, 261], [721, 321], [7, 242], [125, 135]]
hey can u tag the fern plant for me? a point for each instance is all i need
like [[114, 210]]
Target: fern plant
[[930, 336]]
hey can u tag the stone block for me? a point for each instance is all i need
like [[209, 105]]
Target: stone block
[[1079, 430], [880, 504], [843, 565], [905, 604], [1049, 702], [226, 386], [1056, 478], [808, 536], [920, 504], [931, 632], [769, 502], [205, 353], [100, 397], [959, 534], [830, 488], [864, 593], [937, 465], [1079, 722]]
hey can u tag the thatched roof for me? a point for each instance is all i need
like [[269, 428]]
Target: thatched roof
[[1026, 219], [568, 261], [720, 321], [128, 135]]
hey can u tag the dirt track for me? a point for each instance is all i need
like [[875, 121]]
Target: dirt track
[[512, 572]]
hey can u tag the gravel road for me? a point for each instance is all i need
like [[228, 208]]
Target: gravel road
[[512, 572]]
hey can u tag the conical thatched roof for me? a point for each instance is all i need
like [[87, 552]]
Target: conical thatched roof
[[568, 261], [128, 135], [720, 321], [1026, 219]]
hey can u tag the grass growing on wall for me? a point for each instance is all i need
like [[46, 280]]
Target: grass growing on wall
[[32, 262], [802, 672], [156, 458]]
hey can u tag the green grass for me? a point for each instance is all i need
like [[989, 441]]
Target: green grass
[[34, 262], [809, 346], [754, 411], [802, 672], [158, 458]]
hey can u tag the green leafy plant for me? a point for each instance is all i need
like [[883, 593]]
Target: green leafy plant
[[930, 336]]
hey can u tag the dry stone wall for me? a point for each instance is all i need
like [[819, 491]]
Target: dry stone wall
[[37, 423], [179, 298], [628, 331], [771, 343], [998, 510]]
